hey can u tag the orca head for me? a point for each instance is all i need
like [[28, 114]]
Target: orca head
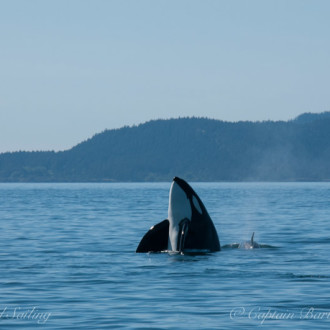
[[179, 209], [184, 207], [188, 229]]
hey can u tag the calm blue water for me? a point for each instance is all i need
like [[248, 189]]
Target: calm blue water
[[68, 261]]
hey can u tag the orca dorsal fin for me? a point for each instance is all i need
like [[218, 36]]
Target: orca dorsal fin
[[252, 239]]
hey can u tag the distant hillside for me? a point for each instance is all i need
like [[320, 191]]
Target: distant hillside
[[197, 149], [309, 117]]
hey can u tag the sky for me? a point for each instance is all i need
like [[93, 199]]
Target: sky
[[72, 68]]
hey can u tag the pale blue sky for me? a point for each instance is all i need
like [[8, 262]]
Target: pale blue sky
[[72, 68]]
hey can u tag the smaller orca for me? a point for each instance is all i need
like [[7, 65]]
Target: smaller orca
[[188, 227], [249, 244]]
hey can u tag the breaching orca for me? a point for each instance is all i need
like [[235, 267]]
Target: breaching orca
[[188, 227]]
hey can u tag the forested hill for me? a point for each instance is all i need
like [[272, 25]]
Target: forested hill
[[197, 149]]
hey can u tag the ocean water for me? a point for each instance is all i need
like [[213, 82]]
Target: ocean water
[[68, 261]]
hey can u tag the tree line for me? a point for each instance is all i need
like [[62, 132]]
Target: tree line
[[197, 149]]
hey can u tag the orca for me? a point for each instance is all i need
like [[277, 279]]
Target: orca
[[249, 244], [188, 227]]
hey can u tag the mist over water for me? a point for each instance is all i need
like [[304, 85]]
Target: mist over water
[[67, 258]]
